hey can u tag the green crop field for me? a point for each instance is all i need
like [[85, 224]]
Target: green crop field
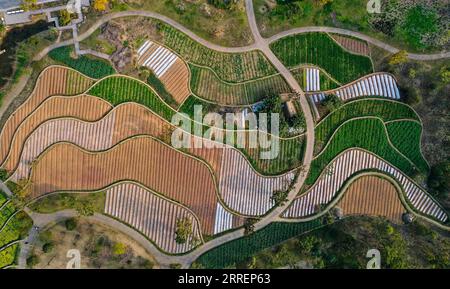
[[8, 255], [205, 84], [88, 65], [405, 136], [12, 228], [367, 133], [319, 49], [236, 252], [119, 89], [231, 67], [384, 109]]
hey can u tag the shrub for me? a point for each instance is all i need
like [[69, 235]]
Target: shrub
[[48, 247], [119, 249], [183, 230], [32, 261], [71, 224]]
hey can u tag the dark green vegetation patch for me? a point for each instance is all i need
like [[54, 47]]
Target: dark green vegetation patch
[[87, 65]]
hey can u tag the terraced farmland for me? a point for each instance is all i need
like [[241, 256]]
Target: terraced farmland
[[379, 84], [207, 85], [349, 163], [13, 226], [167, 67], [242, 189], [65, 167], [84, 107], [325, 82], [372, 196], [230, 67], [353, 45], [51, 81], [88, 65], [240, 250], [120, 89], [383, 109], [126, 120], [152, 215], [366, 133], [319, 49], [406, 137]]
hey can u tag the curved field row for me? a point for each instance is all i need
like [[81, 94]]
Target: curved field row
[[52, 81], [352, 45], [230, 67], [205, 84], [167, 67], [303, 76], [241, 188], [131, 119], [83, 106], [347, 164], [120, 89], [152, 215], [125, 121], [372, 196], [406, 135], [65, 167], [319, 49], [366, 133], [384, 109], [8, 255], [377, 84], [86, 64]]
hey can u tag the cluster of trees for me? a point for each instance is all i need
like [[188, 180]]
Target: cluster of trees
[[418, 23]]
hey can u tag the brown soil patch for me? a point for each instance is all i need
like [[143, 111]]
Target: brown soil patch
[[159, 167], [373, 196], [352, 45]]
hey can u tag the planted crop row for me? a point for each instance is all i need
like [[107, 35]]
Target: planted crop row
[[232, 67], [367, 134], [205, 84], [8, 255], [405, 136], [87, 65], [386, 110], [319, 49], [326, 83], [118, 89], [238, 251]]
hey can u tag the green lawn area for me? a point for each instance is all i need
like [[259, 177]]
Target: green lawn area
[[319, 49]]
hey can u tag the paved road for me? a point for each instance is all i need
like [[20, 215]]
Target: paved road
[[376, 42], [253, 27], [5, 189]]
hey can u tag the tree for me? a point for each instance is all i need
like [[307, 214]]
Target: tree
[[28, 5], [332, 102], [183, 230], [48, 247], [64, 17], [249, 226], [71, 224], [119, 249], [32, 261], [399, 58], [100, 5], [279, 197], [445, 74]]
